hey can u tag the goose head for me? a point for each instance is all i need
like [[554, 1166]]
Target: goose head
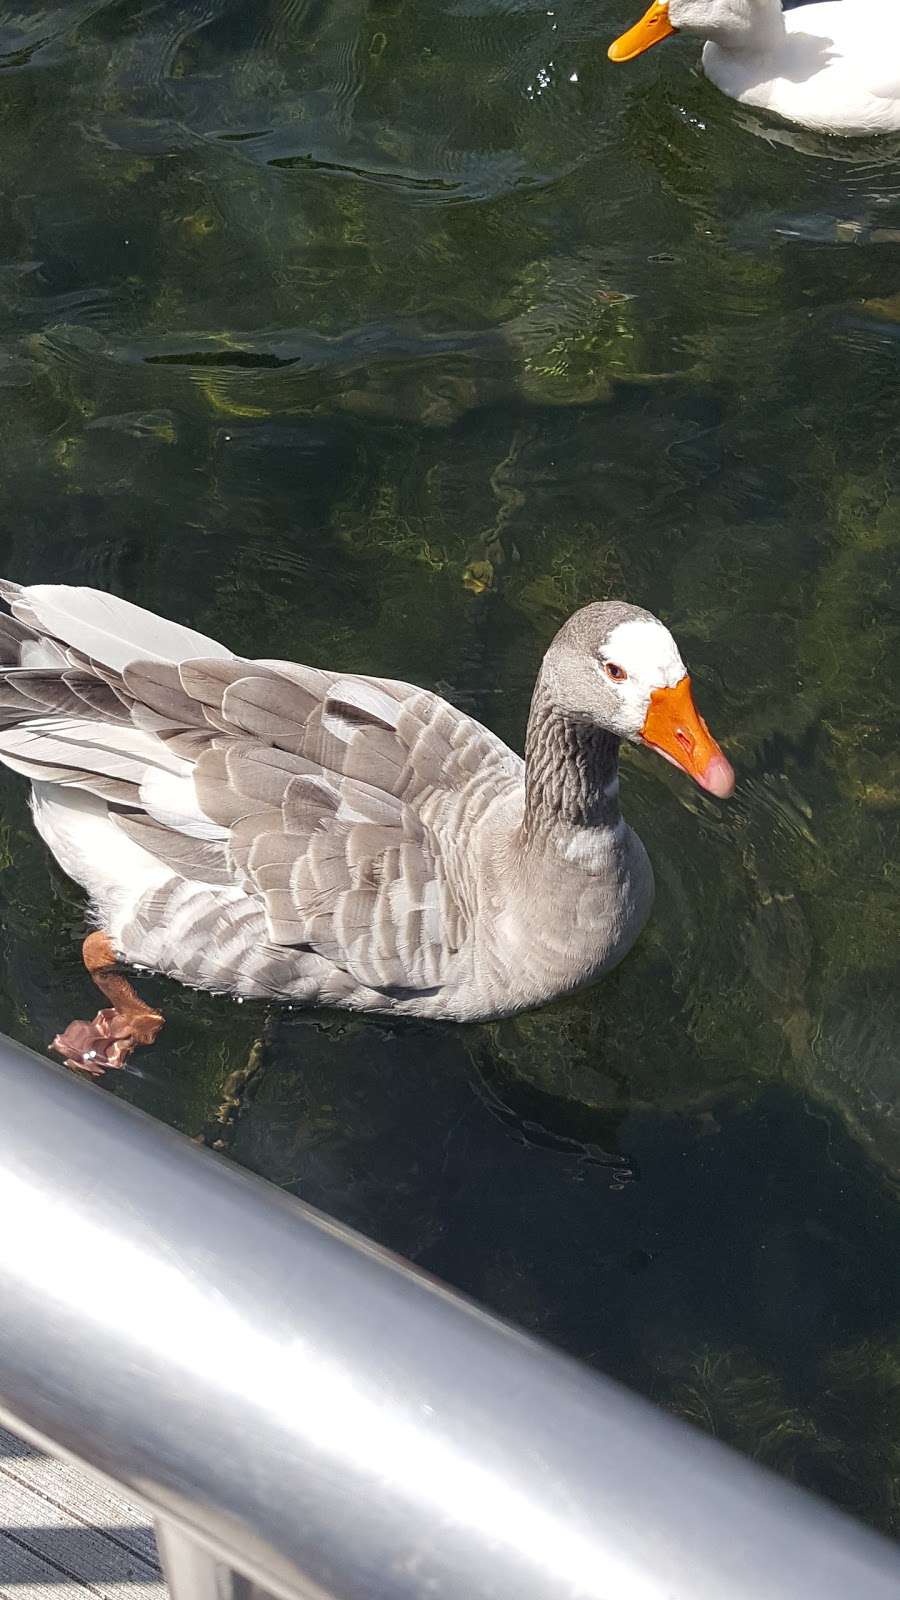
[[732, 24], [618, 668]]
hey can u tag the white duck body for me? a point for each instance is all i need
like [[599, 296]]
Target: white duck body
[[833, 67], [279, 831]]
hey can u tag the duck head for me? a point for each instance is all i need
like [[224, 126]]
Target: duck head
[[733, 24], [618, 667]]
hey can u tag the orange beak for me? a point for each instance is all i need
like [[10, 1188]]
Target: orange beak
[[675, 728], [653, 26]]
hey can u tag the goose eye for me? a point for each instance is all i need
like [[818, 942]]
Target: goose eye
[[618, 674]]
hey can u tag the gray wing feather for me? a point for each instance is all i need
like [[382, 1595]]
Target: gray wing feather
[[110, 631], [41, 691], [205, 861]]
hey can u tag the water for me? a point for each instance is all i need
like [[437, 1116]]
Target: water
[[382, 335]]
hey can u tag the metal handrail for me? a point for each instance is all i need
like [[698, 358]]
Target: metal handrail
[[295, 1405]]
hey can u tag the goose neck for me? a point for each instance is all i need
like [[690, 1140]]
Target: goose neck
[[571, 770]]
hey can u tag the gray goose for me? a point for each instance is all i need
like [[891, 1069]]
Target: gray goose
[[274, 830]]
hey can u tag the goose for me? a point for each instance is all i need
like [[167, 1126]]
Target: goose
[[833, 66], [279, 831]]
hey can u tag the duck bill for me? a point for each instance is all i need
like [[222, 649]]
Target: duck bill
[[653, 26], [674, 727]]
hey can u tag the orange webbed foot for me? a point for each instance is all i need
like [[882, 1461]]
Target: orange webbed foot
[[108, 1041]]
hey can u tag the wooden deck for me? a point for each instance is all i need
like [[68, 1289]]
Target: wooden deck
[[64, 1536]]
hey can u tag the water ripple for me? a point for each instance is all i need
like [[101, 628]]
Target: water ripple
[[488, 107]]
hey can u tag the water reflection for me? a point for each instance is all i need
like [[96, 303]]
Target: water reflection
[[383, 336]]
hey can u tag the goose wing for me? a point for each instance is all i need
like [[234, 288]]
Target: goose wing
[[346, 804]]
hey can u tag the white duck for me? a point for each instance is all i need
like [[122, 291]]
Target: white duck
[[269, 829], [833, 66]]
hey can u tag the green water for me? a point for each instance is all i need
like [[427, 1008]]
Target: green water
[[381, 335]]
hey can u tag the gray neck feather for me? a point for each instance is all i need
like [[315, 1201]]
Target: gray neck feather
[[570, 764]]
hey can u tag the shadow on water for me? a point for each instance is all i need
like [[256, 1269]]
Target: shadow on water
[[382, 335]]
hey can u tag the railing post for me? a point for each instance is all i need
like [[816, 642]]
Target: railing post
[[193, 1573]]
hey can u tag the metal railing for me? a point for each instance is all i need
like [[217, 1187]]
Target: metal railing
[[304, 1414]]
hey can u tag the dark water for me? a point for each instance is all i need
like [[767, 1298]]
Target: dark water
[[381, 335]]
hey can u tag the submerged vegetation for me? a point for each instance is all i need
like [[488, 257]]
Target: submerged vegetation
[[384, 335]]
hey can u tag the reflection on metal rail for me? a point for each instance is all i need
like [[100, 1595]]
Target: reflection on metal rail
[[305, 1415]]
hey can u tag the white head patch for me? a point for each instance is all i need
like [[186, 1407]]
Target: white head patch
[[646, 651]]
